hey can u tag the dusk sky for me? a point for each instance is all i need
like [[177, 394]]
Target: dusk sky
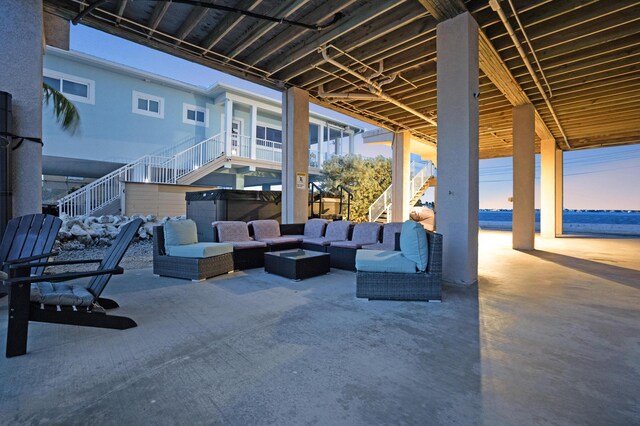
[[606, 178]]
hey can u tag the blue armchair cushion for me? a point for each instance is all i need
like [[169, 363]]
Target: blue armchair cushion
[[384, 261], [413, 244], [180, 232], [200, 250], [60, 294]]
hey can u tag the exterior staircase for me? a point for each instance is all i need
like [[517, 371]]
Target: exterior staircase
[[170, 165], [421, 180]]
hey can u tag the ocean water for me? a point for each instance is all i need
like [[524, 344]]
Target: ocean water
[[595, 217]]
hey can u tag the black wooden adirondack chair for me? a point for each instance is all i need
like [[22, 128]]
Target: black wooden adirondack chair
[[48, 299], [26, 239]]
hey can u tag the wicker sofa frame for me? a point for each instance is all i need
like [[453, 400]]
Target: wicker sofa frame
[[187, 267], [425, 286]]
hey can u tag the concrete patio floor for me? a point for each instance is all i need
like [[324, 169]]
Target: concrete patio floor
[[547, 337]]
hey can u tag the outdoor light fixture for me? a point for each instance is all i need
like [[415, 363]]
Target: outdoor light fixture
[[234, 152]]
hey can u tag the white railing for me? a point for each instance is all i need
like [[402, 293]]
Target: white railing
[[267, 150], [168, 166], [420, 178], [420, 175], [150, 168], [240, 146]]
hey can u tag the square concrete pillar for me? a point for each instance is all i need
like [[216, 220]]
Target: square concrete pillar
[[400, 176], [524, 155], [295, 155], [458, 156], [551, 191], [21, 36]]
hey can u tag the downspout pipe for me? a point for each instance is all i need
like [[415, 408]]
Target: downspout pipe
[[375, 87], [495, 5]]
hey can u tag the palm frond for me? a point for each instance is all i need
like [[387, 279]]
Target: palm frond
[[63, 109]]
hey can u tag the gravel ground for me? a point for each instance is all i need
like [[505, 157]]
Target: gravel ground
[[138, 256]]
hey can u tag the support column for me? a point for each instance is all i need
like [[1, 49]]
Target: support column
[[551, 191], [321, 143], [252, 133], [295, 155], [21, 33], [524, 155], [458, 157], [238, 182], [400, 176], [352, 143], [228, 119]]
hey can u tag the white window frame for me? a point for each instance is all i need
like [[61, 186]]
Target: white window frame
[[91, 86], [187, 107], [135, 95]]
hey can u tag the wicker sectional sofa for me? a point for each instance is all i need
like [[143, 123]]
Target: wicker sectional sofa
[[396, 277], [190, 268]]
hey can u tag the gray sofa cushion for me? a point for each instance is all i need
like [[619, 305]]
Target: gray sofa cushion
[[384, 261], [346, 244], [265, 229], [389, 231], [322, 241], [366, 233], [62, 294], [338, 230], [200, 250], [239, 245], [314, 228], [232, 231], [281, 240], [179, 232]]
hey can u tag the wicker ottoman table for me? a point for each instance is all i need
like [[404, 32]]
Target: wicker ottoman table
[[296, 264]]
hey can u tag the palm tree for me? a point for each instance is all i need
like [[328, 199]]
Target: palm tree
[[63, 109]]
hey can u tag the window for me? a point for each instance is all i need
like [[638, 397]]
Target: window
[[266, 134], [149, 105], [197, 116], [74, 88]]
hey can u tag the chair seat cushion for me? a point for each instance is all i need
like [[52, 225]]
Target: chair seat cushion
[[280, 240], [298, 238], [200, 250], [322, 241], [346, 244], [62, 294], [240, 245], [3, 276], [384, 261], [379, 246]]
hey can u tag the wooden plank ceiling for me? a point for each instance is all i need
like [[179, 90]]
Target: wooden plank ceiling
[[588, 50]]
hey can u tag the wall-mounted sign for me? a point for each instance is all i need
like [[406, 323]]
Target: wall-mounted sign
[[301, 181]]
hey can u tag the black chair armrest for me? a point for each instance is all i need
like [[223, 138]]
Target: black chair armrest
[[292, 229], [66, 276], [31, 258], [55, 263]]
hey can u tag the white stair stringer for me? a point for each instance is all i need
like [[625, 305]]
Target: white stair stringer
[[169, 166], [380, 209]]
